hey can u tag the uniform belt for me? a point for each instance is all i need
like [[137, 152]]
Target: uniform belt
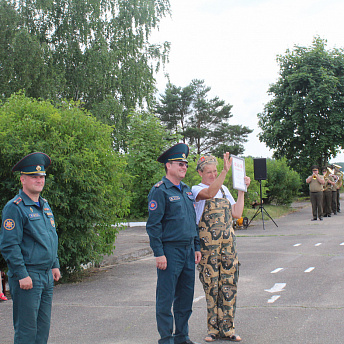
[[38, 271], [179, 243]]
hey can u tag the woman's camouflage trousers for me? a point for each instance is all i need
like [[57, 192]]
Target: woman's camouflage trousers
[[219, 270]]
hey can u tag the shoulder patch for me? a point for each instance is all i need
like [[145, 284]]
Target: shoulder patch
[[158, 184], [17, 200], [152, 205], [9, 224]]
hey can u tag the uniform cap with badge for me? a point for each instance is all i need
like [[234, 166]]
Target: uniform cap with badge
[[33, 164], [178, 152]]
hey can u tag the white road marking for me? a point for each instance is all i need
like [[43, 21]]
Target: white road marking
[[277, 270], [309, 269], [318, 244], [297, 245], [276, 288], [198, 298], [274, 298], [342, 244]]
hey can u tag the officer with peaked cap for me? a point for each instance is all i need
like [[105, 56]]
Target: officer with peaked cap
[[174, 239], [28, 243]]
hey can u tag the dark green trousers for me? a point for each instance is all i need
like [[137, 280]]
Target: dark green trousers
[[334, 201], [32, 308], [175, 288], [316, 200], [327, 202]]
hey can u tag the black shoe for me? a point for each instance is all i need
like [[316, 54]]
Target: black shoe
[[328, 215], [314, 219], [325, 215], [320, 218], [188, 342]]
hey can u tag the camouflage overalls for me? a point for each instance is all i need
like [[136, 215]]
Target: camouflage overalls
[[219, 270]]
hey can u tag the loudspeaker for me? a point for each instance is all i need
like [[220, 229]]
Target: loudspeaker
[[259, 168]]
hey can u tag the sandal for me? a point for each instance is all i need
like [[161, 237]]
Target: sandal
[[3, 297], [210, 338], [233, 338]]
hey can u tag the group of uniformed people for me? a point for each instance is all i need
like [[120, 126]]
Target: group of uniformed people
[[325, 191], [178, 237]]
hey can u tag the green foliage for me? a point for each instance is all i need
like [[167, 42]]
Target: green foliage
[[146, 142], [94, 51], [202, 122], [84, 185], [304, 121], [283, 184]]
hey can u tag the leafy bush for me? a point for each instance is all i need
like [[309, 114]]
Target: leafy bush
[[146, 142], [84, 184], [283, 184]]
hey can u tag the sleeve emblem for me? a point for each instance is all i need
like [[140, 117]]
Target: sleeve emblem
[[9, 224], [152, 205]]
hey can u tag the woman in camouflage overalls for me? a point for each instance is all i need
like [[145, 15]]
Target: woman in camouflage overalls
[[215, 209]]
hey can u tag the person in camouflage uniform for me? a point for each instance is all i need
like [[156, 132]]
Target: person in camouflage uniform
[[219, 265]]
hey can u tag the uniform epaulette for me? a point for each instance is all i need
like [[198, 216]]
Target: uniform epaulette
[[158, 184], [44, 199], [17, 200]]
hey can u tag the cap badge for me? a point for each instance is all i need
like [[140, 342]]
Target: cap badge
[[184, 156], [38, 168]]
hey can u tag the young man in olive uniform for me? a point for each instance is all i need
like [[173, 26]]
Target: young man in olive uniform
[[174, 239], [327, 193], [339, 183], [28, 243], [316, 182]]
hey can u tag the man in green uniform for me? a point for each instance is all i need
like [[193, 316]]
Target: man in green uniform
[[174, 239], [316, 182], [28, 243], [339, 182], [327, 192]]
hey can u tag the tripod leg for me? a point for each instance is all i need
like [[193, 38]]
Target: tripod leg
[[254, 216], [261, 208], [269, 216]]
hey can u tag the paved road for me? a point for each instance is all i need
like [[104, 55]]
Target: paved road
[[291, 290]]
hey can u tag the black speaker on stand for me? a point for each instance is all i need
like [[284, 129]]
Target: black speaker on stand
[[260, 174]]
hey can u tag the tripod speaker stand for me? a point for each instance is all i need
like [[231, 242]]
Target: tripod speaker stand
[[260, 174]]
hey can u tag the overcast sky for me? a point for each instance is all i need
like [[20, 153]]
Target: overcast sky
[[233, 44]]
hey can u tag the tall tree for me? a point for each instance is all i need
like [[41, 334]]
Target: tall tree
[[304, 119], [147, 140], [202, 122], [95, 51]]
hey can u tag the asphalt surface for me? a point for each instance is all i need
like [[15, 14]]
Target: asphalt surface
[[291, 289]]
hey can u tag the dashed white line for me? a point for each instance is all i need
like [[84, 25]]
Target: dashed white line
[[297, 245], [274, 298], [276, 288], [342, 244], [318, 244], [198, 298], [277, 270], [309, 269]]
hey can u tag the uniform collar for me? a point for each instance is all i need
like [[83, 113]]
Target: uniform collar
[[27, 200], [169, 184]]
